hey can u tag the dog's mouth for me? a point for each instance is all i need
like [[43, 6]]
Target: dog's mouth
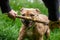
[[27, 22]]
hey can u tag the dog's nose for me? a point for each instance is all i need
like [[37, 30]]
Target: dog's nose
[[31, 15], [23, 14]]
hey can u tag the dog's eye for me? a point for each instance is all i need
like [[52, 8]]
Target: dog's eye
[[23, 14], [31, 15]]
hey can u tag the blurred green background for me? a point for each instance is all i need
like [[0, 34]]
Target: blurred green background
[[9, 29]]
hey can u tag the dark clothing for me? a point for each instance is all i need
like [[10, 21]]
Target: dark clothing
[[4, 4], [53, 9]]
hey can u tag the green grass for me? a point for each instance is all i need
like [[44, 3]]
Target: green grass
[[9, 29]]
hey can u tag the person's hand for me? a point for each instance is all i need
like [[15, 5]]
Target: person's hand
[[12, 14]]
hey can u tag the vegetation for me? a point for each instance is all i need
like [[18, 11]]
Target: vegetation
[[9, 28]]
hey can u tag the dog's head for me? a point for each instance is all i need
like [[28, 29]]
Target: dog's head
[[29, 12]]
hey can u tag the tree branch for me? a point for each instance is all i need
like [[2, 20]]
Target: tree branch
[[29, 18]]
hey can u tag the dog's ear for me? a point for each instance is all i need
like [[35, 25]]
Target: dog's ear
[[21, 9], [37, 10]]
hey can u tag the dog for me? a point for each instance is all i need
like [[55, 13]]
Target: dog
[[33, 30]]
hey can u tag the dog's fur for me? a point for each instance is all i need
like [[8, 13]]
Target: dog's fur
[[33, 30]]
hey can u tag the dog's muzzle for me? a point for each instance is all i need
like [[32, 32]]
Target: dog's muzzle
[[27, 22]]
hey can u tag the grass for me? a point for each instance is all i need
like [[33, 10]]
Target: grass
[[9, 29]]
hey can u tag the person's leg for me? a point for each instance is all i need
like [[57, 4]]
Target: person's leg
[[53, 8], [59, 9], [54, 16], [53, 11]]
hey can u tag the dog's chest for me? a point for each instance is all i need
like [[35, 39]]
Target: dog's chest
[[30, 30]]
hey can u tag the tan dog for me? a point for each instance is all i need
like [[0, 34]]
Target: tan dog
[[33, 30]]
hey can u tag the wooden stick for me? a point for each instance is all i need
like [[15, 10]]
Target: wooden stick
[[28, 18]]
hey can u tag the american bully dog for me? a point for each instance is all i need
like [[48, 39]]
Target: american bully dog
[[33, 30]]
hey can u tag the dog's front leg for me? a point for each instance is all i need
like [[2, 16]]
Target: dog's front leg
[[47, 34], [22, 33], [41, 38]]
